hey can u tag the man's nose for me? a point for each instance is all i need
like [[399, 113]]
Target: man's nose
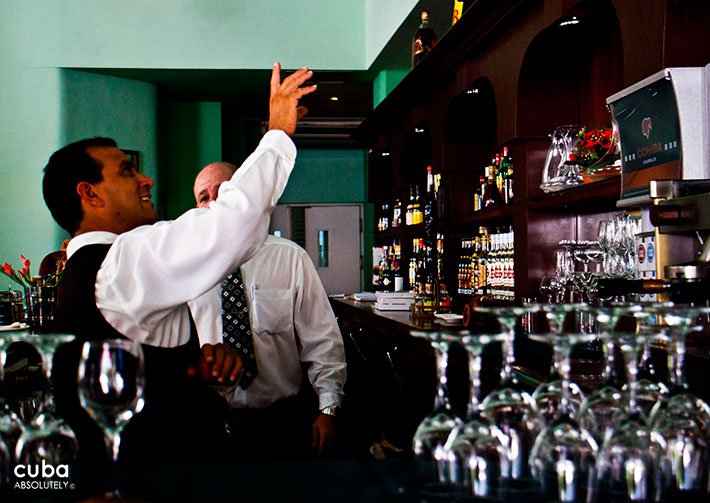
[[146, 180]]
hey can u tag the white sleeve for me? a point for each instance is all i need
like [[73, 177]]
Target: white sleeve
[[153, 270], [320, 338]]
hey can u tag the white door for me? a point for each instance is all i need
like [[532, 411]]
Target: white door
[[334, 243]]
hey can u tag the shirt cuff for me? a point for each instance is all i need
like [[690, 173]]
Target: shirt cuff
[[280, 141], [329, 400]]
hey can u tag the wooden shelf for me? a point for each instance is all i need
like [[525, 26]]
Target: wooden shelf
[[593, 197], [508, 74]]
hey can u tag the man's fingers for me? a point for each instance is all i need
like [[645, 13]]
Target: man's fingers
[[294, 81], [275, 78], [208, 352], [218, 363]]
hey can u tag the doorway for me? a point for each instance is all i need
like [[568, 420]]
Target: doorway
[[332, 236]]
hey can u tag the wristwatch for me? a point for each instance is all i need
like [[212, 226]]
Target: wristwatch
[[330, 410]]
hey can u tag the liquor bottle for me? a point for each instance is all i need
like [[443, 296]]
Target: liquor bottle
[[506, 165], [408, 216], [397, 213], [491, 196], [417, 212], [424, 40]]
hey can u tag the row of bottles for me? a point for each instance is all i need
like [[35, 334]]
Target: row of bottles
[[419, 208], [388, 276], [486, 265], [496, 187]]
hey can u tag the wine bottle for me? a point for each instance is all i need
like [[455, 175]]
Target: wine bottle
[[491, 196], [424, 40]]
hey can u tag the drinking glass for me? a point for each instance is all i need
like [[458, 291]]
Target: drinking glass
[[111, 382], [563, 457], [683, 420], [607, 403], [10, 425], [631, 464], [473, 447], [47, 436], [509, 407], [432, 433], [548, 395]]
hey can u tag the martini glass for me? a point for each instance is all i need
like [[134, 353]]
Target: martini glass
[[510, 408], [474, 449], [683, 420], [563, 457], [432, 433], [47, 437], [548, 395], [631, 464]]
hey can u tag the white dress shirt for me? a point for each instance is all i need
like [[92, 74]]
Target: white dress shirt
[[291, 322], [151, 272]]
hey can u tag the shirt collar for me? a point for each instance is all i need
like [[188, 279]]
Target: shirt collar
[[90, 238]]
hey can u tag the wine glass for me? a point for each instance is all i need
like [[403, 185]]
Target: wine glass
[[631, 464], [602, 406], [111, 382], [432, 433], [683, 420], [509, 407], [474, 449], [10, 425], [563, 457], [47, 437], [548, 394]]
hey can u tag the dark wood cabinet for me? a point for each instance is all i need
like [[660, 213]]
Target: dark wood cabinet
[[507, 74]]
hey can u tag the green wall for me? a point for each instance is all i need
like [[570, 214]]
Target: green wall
[[192, 132], [42, 106], [327, 176]]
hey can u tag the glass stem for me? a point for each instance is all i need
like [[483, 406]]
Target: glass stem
[[506, 374], [565, 368], [474, 376], [677, 360], [630, 352], [609, 362], [442, 361]]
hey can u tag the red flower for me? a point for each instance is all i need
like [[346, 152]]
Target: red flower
[[8, 268]]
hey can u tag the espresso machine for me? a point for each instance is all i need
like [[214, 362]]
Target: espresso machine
[[663, 124]]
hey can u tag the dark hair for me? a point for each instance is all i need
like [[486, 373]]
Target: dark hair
[[67, 167]]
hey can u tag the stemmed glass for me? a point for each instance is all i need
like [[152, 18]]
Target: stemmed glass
[[47, 436], [683, 420], [474, 451], [602, 406], [111, 382], [548, 395], [509, 407], [10, 425], [434, 430], [563, 457], [632, 460]]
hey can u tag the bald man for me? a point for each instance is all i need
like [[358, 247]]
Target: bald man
[[292, 325]]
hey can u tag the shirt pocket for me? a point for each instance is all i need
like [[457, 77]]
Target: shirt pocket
[[272, 312]]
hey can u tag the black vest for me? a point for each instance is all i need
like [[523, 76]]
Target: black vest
[[183, 418]]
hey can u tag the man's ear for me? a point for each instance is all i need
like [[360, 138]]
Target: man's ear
[[88, 195]]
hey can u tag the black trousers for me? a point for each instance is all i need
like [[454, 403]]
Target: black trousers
[[279, 432]]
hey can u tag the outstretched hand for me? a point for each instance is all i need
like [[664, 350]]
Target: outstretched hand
[[284, 111]]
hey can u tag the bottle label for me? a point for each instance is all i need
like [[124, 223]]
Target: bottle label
[[458, 11]]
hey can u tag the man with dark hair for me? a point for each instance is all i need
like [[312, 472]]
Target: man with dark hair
[[128, 276]]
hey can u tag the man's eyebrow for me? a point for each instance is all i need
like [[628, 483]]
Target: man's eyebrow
[[128, 163]]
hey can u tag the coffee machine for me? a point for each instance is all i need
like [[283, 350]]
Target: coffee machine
[[663, 123]]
